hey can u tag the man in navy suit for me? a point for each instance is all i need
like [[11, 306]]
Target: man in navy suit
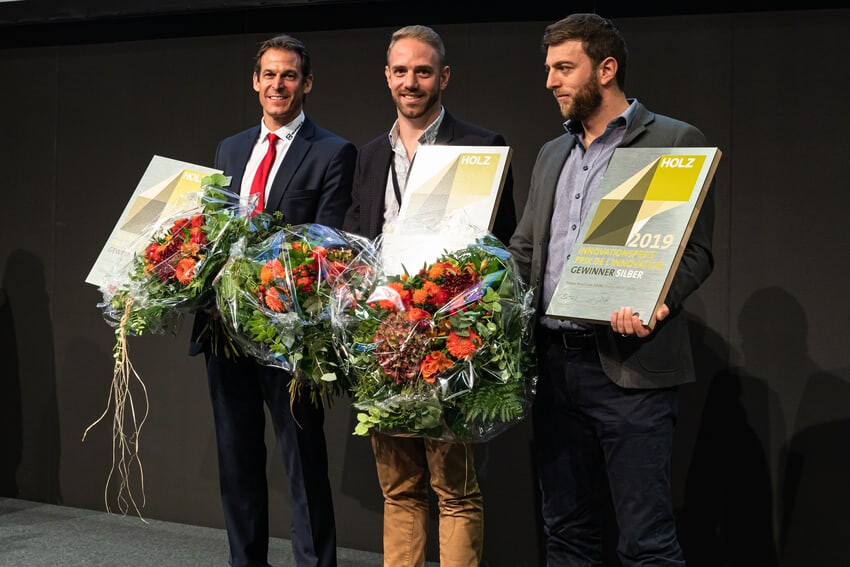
[[416, 74], [310, 182], [606, 396]]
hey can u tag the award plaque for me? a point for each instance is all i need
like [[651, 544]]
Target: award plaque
[[636, 230], [451, 198], [162, 188]]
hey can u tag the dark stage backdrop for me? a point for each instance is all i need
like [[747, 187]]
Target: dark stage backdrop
[[760, 463]]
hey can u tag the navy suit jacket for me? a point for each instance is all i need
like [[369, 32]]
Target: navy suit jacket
[[312, 185], [366, 214], [663, 358]]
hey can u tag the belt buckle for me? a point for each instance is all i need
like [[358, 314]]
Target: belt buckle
[[578, 341]]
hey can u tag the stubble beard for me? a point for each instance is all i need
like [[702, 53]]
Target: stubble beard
[[417, 111]]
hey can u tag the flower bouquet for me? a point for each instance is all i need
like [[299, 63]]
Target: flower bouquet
[[444, 353], [171, 275], [274, 298]]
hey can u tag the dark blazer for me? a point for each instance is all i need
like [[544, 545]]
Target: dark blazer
[[312, 185], [664, 358], [366, 214]]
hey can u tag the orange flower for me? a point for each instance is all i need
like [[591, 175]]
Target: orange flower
[[272, 270], [185, 270], [190, 248], [415, 314], [438, 269], [434, 363], [461, 347], [420, 296], [273, 299]]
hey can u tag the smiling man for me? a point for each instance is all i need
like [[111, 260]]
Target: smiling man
[[417, 75], [293, 166]]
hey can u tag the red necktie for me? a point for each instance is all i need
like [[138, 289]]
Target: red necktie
[[258, 186]]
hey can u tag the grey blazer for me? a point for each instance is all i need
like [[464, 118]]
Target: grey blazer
[[664, 358]]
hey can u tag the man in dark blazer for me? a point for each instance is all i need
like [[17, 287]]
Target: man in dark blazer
[[606, 400], [309, 180], [416, 75]]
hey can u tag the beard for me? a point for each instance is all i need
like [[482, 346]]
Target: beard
[[586, 101], [419, 109]]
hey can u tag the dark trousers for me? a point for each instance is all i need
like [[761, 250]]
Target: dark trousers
[[238, 392], [588, 430]]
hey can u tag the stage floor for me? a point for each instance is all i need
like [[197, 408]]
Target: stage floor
[[33, 534]]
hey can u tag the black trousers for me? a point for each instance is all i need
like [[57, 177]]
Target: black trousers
[[588, 430], [238, 391]]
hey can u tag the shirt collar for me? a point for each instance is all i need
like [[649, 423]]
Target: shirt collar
[[575, 128], [286, 131], [429, 136]]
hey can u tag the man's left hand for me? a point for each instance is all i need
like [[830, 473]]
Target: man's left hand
[[627, 323]]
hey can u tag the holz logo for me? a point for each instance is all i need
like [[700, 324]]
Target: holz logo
[[682, 162], [472, 159], [190, 176]]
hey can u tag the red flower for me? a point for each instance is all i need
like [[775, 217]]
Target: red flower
[[197, 235], [179, 225], [436, 296], [460, 346], [151, 252], [304, 283]]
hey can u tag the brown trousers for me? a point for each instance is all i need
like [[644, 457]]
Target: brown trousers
[[405, 465]]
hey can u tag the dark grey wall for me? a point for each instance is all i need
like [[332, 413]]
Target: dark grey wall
[[760, 462]]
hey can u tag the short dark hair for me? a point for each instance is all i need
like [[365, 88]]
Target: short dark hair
[[599, 38], [287, 43], [423, 34]]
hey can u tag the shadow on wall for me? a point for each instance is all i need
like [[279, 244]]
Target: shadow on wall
[[31, 383], [814, 464], [11, 421], [767, 482], [727, 517]]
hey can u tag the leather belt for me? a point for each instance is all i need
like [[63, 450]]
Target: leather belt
[[572, 339]]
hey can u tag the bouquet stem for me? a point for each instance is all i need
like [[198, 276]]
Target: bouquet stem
[[125, 448]]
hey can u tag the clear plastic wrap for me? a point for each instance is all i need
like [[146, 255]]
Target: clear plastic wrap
[[274, 299], [178, 260], [446, 352]]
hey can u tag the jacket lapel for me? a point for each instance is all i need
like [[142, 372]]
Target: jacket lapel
[[241, 154], [291, 161]]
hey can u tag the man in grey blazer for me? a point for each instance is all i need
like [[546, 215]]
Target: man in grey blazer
[[606, 401], [308, 178]]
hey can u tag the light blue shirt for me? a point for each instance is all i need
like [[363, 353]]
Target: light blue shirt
[[577, 184]]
